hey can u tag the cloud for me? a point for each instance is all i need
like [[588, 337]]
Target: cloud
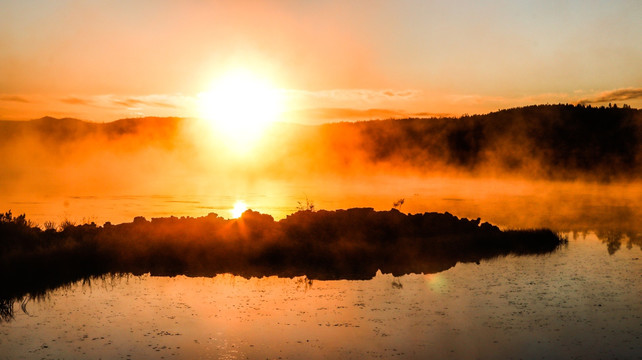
[[147, 101], [128, 102], [320, 115], [75, 101], [162, 104], [14, 98], [430, 114], [347, 113], [614, 95], [474, 99], [366, 95], [97, 107], [479, 103]]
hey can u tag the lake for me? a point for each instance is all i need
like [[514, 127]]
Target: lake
[[579, 302], [582, 301]]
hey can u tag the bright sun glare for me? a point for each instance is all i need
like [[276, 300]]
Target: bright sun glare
[[239, 107], [239, 209]]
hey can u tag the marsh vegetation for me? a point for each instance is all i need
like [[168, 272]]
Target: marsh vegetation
[[342, 244]]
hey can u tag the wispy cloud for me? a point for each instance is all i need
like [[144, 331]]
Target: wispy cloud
[[15, 98], [317, 115], [429, 114], [477, 99], [614, 95], [166, 101], [128, 102], [365, 95], [76, 101], [474, 99], [345, 113]]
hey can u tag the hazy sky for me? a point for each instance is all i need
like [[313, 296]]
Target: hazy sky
[[104, 60]]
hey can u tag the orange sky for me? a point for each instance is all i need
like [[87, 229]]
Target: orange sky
[[331, 60]]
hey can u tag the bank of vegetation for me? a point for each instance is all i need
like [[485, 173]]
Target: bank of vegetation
[[341, 244]]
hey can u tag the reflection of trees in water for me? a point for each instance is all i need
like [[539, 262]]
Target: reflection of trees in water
[[6, 309], [612, 239], [42, 291], [615, 238]]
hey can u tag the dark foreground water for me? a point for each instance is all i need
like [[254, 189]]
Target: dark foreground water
[[580, 302]]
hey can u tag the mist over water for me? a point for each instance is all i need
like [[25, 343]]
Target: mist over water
[[508, 204], [67, 170], [501, 167], [564, 167]]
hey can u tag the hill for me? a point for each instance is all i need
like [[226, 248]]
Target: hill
[[549, 141], [565, 142]]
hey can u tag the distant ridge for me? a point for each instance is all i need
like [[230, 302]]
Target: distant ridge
[[69, 129], [563, 142], [543, 141]]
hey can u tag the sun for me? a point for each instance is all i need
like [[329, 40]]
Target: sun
[[239, 208], [239, 107]]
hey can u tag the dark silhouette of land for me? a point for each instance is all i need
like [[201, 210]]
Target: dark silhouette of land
[[545, 141], [342, 244], [56, 131], [561, 142]]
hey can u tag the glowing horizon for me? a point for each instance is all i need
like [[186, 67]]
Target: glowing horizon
[[393, 60]]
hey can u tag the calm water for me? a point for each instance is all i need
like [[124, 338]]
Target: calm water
[[580, 302], [584, 301], [563, 206]]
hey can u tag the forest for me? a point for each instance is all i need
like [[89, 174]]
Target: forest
[[556, 142]]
